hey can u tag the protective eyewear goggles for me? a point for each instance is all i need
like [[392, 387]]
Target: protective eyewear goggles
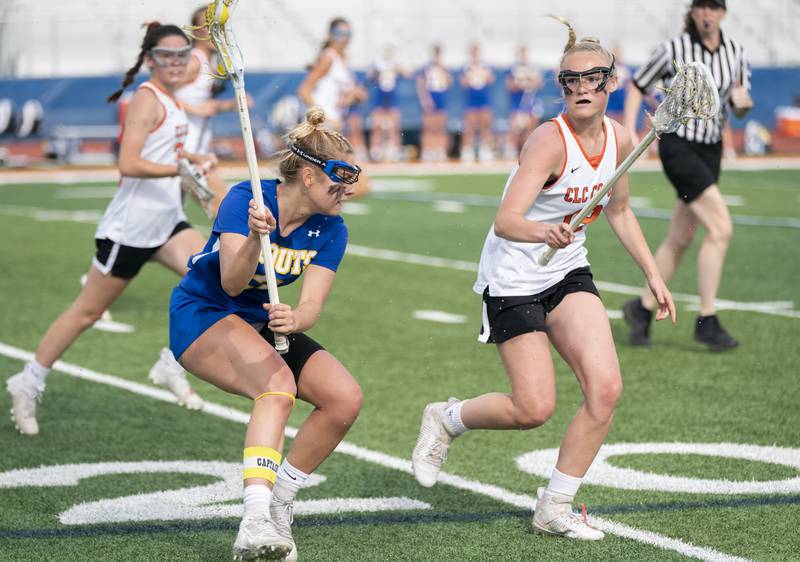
[[595, 78], [164, 56], [337, 170], [339, 34]]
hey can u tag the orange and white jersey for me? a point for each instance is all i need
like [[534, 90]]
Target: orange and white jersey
[[144, 211], [196, 93], [329, 90], [512, 268]]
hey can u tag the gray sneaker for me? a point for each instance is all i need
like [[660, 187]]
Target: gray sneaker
[[258, 539], [432, 445], [24, 396], [554, 516], [281, 513]]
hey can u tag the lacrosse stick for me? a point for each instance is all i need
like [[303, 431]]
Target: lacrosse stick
[[231, 67], [194, 183], [692, 95]]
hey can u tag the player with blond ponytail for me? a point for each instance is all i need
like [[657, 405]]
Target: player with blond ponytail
[[221, 330], [528, 306]]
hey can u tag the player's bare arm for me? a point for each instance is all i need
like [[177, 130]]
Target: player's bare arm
[[542, 158]]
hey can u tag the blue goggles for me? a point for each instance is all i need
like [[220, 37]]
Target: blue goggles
[[337, 170]]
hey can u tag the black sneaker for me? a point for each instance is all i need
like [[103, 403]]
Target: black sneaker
[[709, 331], [638, 318]]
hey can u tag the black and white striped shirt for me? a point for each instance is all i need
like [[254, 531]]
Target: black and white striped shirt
[[728, 64]]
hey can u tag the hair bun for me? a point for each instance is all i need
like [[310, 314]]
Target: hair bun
[[315, 116]]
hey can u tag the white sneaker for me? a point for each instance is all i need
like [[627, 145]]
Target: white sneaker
[[281, 513], [468, 154], [430, 452], [169, 374], [554, 516], [259, 539], [24, 396]]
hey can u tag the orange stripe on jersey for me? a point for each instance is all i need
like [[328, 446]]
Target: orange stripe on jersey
[[149, 86], [594, 161], [550, 183]]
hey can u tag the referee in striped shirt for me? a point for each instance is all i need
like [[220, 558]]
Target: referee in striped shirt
[[691, 159]]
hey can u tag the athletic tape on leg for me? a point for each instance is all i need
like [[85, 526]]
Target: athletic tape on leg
[[261, 462], [276, 393]]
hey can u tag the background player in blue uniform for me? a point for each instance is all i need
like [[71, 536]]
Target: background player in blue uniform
[[523, 83], [476, 79], [221, 330], [385, 140], [433, 81]]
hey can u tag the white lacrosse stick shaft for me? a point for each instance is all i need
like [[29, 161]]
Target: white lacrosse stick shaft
[[577, 220], [231, 59]]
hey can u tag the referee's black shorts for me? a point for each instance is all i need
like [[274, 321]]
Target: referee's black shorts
[[691, 167]]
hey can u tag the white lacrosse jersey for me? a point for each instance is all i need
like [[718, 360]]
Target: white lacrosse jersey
[[144, 211], [512, 268], [198, 92], [328, 91]]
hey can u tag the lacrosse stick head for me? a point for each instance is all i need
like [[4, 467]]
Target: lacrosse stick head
[[691, 95], [230, 65]]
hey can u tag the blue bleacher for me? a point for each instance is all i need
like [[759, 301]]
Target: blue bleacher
[[80, 101]]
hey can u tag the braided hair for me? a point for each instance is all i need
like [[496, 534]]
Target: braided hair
[[155, 33]]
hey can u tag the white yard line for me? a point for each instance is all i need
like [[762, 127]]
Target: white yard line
[[439, 316], [781, 308], [388, 461], [778, 308], [407, 169]]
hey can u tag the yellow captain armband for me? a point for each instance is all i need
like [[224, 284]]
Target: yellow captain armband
[[276, 393], [261, 462]]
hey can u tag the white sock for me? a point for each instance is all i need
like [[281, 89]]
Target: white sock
[[452, 419], [36, 374], [563, 484], [290, 480], [256, 500]]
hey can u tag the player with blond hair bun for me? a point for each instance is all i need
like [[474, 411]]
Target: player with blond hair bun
[[144, 221], [527, 307], [221, 330]]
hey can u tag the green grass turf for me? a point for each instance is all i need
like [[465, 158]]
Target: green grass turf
[[675, 391]]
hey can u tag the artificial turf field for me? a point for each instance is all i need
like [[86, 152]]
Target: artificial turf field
[[716, 475]]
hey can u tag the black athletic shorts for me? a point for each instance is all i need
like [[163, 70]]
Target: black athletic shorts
[[690, 166], [508, 317], [126, 261], [301, 348]]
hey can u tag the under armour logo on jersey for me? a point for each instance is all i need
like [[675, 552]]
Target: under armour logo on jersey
[[572, 171], [313, 233]]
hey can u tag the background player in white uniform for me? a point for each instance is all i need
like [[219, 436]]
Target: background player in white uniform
[[527, 306], [218, 316], [197, 98], [145, 220], [331, 85]]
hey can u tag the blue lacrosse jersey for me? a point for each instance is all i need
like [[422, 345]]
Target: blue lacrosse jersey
[[320, 240]]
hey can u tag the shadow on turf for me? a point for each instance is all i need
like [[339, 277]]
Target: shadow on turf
[[383, 519]]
